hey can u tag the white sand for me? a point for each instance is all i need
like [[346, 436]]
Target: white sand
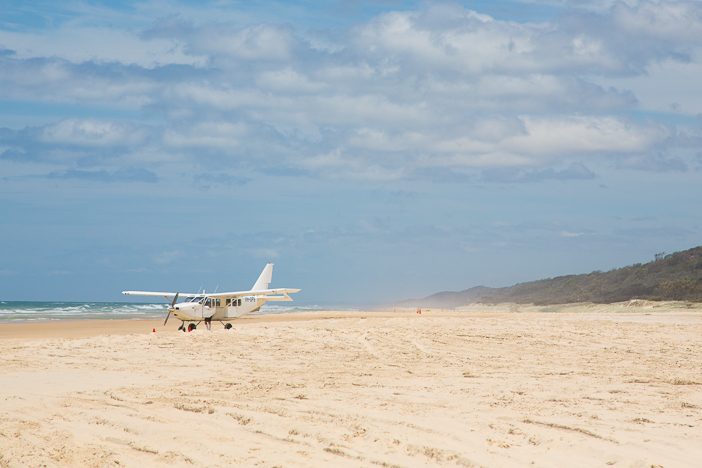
[[577, 388]]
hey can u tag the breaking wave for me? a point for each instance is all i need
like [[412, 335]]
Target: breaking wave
[[42, 311], [30, 311]]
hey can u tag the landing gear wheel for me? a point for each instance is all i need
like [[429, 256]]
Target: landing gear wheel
[[191, 327], [228, 326], [181, 327]]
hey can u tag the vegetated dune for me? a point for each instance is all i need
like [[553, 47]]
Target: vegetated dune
[[674, 277]]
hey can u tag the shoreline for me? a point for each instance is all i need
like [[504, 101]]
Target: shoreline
[[90, 327], [83, 328]]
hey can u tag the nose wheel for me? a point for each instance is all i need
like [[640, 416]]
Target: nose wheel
[[228, 326]]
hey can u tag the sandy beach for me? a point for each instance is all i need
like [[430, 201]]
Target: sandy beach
[[499, 386]]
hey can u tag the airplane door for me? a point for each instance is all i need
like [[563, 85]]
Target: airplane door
[[219, 308], [207, 307], [233, 306]]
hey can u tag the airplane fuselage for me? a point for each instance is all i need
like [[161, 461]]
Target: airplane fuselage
[[197, 309]]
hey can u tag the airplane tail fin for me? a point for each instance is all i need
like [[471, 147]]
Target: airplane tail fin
[[264, 279]]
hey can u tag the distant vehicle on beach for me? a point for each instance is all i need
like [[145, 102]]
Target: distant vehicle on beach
[[220, 307]]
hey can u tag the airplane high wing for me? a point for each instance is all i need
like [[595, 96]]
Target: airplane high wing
[[251, 292], [221, 307], [160, 294]]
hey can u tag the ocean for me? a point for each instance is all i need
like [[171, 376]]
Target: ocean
[[26, 311]]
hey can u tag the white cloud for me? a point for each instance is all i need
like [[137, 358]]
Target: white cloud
[[497, 129], [81, 44], [525, 141], [220, 135], [217, 97], [90, 132], [289, 80], [378, 140], [485, 159], [347, 165], [256, 43], [438, 87], [56, 80], [663, 20], [668, 86], [578, 135], [469, 43]]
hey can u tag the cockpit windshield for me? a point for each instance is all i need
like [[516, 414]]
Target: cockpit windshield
[[196, 299]]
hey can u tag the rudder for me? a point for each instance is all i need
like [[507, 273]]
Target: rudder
[[264, 279]]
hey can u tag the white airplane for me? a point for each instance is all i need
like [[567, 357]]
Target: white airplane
[[221, 307]]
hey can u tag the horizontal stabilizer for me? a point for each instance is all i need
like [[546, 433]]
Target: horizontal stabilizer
[[283, 298]]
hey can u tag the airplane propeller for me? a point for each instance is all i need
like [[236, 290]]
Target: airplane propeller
[[170, 308]]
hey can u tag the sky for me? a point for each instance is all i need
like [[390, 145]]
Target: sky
[[373, 150]]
